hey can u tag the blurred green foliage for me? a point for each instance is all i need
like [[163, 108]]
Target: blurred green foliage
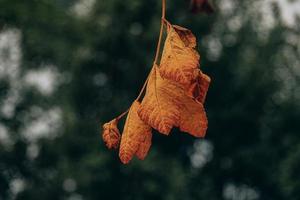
[[101, 58]]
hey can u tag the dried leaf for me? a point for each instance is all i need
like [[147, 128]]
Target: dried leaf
[[144, 147], [174, 96], [136, 137], [193, 118], [179, 60], [186, 36], [111, 135], [201, 6], [160, 107], [199, 88]]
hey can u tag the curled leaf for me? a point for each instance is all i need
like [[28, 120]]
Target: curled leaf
[[186, 36], [199, 87], [111, 135], [136, 137], [160, 107], [179, 60]]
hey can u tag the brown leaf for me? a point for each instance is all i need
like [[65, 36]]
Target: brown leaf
[[111, 135], [199, 88], [201, 6], [136, 137], [179, 60], [193, 118], [160, 107]]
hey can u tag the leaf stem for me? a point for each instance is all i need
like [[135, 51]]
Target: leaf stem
[[163, 11], [143, 88], [163, 20], [122, 115], [163, 8]]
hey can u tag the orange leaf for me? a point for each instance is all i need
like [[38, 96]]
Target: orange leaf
[[136, 137], [199, 88], [160, 107], [179, 60], [192, 117], [111, 135], [144, 147]]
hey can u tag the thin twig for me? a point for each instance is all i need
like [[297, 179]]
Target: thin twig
[[163, 20], [122, 115], [161, 30], [143, 88]]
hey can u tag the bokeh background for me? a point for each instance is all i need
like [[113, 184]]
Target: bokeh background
[[68, 66]]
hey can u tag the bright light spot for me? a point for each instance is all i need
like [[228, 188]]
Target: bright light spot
[[260, 14], [69, 185], [10, 54], [235, 23], [32, 151], [100, 79], [214, 47], [83, 7], [75, 197], [5, 138], [243, 192], [10, 102], [17, 185], [227, 6], [267, 21], [44, 79], [10, 57], [289, 10], [42, 124], [292, 38], [201, 153]]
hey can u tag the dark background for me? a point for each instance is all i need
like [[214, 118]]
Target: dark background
[[67, 67]]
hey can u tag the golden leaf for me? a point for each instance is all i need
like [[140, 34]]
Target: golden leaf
[[160, 107], [193, 118], [136, 137], [179, 60], [111, 135], [199, 87]]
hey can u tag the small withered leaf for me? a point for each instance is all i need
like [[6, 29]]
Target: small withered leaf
[[111, 135], [160, 107], [136, 137], [180, 61], [199, 87]]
